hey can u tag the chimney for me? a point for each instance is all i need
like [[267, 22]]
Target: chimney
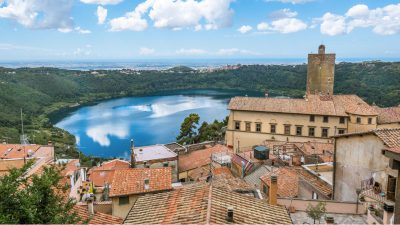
[[146, 184], [89, 201], [229, 214], [329, 220], [273, 190], [132, 154], [50, 143], [388, 209]]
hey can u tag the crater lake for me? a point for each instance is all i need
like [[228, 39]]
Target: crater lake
[[105, 129]]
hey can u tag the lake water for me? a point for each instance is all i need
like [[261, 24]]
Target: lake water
[[105, 129]]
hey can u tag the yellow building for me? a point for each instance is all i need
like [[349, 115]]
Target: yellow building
[[316, 117]]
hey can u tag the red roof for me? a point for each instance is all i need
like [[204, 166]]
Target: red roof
[[132, 181], [199, 158], [11, 151], [288, 181], [97, 218], [104, 173]]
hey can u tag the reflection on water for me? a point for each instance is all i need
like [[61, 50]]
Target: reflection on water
[[105, 129]]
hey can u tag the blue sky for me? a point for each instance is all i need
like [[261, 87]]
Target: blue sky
[[157, 29]]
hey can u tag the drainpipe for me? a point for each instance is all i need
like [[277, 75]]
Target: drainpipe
[[334, 169]]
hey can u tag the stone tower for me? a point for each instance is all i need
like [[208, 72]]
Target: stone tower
[[321, 72]]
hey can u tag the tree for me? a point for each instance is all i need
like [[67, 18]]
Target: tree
[[35, 199], [188, 129], [316, 212]]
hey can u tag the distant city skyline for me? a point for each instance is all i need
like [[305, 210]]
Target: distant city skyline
[[196, 29]]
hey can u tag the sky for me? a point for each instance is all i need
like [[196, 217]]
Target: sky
[[191, 29]]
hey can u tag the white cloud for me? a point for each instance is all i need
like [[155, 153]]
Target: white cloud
[[192, 51], [177, 14], [283, 13], [101, 14], [102, 2], [84, 51], [263, 26], [333, 24], [288, 25], [146, 51], [38, 14], [383, 21], [82, 31], [294, 2], [284, 26], [245, 29], [132, 20]]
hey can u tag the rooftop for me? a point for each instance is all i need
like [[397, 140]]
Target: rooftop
[[12, 151], [390, 137], [288, 181], [97, 218], [153, 152], [104, 173], [204, 204], [388, 115], [323, 150], [132, 181], [199, 158], [336, 105]]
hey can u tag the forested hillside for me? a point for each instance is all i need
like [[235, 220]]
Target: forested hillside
[[40, 91]]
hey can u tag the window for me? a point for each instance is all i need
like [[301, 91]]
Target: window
[[324, 132], [237, 125], [165, 164], [124, 200], [314, 195], [342, 120], [311, 131], [287, 129], [369, 120], [273, 128], [358, 119], [326, 119], [312, 118], [299, 130], [265, 189], [258, 127], [248, 126], [342, 131]]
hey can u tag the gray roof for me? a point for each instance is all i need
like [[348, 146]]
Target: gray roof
[[254, 177]]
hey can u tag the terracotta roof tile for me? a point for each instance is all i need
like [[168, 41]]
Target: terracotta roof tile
[[10, 151], [337, 105], [388, 115], [317, 183], [199, 158], [104, 173], [131, 181], [97, 218], [390, 137], [323, 150], [288, 181], [203, 204]]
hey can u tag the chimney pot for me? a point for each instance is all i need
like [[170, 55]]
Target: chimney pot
[[329, 220], [273, 191], [229, 216], [89, 201], [50, 143]]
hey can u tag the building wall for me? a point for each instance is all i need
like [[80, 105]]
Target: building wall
[[122, 210], [6, 164], [250, 138], [389, 125], [321, 72], [359, 158], [364, 124], [306, 190]]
